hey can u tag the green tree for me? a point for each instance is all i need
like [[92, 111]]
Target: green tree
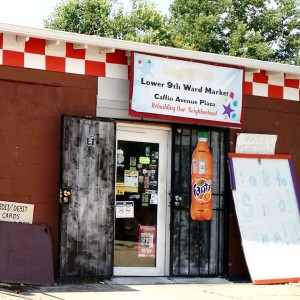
[[106, 18], [198, 24], [144, 23], [93, 17], [260, 29]]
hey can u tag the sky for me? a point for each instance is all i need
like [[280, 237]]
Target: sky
[[32, 13]]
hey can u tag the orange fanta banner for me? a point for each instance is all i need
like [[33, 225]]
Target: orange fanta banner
[[202, 173]]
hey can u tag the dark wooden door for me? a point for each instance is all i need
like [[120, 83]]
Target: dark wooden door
[[87, 197], [198, 248]]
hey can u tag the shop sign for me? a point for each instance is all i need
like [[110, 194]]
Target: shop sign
[[16, 212], [255, 143], [164, 88]]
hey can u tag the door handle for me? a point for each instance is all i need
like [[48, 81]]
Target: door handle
[[65, 195], [178, 200]]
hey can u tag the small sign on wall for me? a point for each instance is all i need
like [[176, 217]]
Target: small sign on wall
[[256, 143], [16, 212]]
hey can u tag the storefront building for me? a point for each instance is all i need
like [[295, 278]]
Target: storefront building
[[75, 121]]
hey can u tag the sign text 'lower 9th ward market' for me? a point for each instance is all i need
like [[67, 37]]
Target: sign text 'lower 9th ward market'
[[186, 90], [185, 87]]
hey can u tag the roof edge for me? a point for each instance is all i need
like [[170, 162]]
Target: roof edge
[[97, 41]]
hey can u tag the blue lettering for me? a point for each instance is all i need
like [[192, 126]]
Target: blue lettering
[[247, 207], [199, 190], [265, 240], [252, 180]]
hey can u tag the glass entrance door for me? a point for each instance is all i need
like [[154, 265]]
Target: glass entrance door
[[140, 207]]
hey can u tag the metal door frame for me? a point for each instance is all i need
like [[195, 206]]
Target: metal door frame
[[141, 127]]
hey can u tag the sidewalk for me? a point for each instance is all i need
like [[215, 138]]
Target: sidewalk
[[153, 288]]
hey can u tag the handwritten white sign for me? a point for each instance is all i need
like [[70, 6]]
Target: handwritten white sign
[[16, 212], [186, 89], [268, 214], [256, 143]]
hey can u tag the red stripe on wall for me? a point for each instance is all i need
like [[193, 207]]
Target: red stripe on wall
[[275, 91], [36, 46], [248, 88], [260, 77], [95, 68], [292, 83], [74, 53], [54, 63], [118, 57], [13, 58]]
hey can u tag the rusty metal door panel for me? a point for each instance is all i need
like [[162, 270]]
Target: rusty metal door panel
[[87, 197], [26, 254]]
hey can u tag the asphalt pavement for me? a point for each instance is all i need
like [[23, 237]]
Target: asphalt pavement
[[154, 288]]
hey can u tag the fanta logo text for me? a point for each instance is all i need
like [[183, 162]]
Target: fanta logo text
[[200, 187]]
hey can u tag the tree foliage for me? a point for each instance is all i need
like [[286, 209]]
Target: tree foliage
[[144, 23], [106, 18], [93, 17], [260, 29]]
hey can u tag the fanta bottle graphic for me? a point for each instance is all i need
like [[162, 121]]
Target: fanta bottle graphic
[[202, 173]]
